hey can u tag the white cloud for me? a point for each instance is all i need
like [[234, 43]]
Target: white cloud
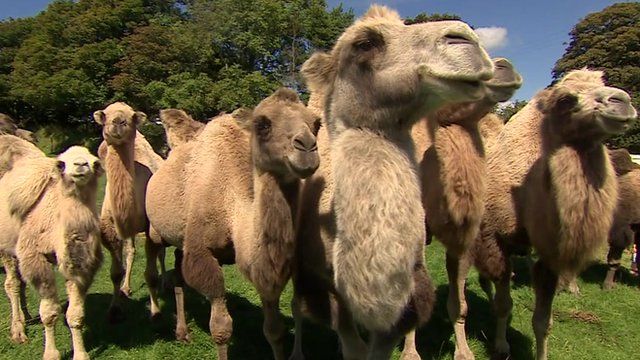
[[493, 37]]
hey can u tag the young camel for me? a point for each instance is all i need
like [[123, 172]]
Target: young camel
[[551, 186], [360, 243], [129, 162], [54, 205], [230, 195], [179, 127], [12, 151], [453, 171]]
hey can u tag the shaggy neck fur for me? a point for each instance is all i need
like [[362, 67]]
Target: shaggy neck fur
[[455, 202], [379, 219], [120, 169], [274, 210]]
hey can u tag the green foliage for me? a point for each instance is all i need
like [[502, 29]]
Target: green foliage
[[202, 56], [609, 40], [424, 17], [508, 110]]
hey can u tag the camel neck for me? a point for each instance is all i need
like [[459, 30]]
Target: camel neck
[[120, 168], [274, 204]]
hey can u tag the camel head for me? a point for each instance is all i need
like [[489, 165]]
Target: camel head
[[381, 71], [504, 83], [283, 136], [119, 122], [7, 125], [78, 167], [584, 109]]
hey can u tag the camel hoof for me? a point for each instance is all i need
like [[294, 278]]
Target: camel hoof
[[81, 356], [183, 335], [115, 315], [607, 285], [463, 355], [156, 317], [19, 338]]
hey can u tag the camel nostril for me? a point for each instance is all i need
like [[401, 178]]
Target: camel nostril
[[306, 144], [616, 100], [458, 39]]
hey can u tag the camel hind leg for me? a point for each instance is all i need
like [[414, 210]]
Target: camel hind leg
[[130, 253], [273, 326], [544, 283], [202, 272], [409, 350], [152, 252], [502, 305], [457, 269], [182, 330], [13, 286], [111, 241], [298, 318]]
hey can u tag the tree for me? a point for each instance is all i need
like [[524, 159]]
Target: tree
[[425, 17], [609, 40], [506, 111]]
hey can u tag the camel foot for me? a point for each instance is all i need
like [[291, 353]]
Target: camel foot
[[19, 337], [51, 355], [81, 355], [126, 291], [608, 285], [463, 355], [115, 315], [183, 335], [410, 355]]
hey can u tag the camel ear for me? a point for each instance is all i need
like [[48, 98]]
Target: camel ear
[[60, 166], [139, 118], [99, 117], [318, 71], [98, 170]]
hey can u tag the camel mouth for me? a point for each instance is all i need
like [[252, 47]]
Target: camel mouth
[[616, 124], [304, 165]]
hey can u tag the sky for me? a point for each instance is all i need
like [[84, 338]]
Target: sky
[[533, 35]]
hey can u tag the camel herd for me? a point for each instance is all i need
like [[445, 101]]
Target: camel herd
[[397, 143]]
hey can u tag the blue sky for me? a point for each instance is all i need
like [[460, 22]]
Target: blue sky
[[532, 34]]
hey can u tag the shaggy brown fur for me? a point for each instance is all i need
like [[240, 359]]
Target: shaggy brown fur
[[8, 127], [551, 186], [129, 162], [236, 193], [360, 244], [179, 127], [54, 203]]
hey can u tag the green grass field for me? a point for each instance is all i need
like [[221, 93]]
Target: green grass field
[[595, 325]]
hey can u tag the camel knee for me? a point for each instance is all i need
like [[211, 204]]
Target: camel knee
[[12, 284], [274, 329], [221, 327], [49, 311], [75, 317]]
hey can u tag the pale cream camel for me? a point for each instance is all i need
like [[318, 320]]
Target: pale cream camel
[[551, 186], [231, 195], [453, 172], [129, 162], [53, 205], [360, 243]]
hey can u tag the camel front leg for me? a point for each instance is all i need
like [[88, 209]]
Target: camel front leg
[[298, 319], [13, 286], [273, 326], [381, 345], [544, 283], [457, 270], [115, 313], [613, 260], [130, 252], [353, 347], [409, 351], [75, 318]]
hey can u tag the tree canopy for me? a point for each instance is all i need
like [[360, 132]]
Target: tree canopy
[[609, 40], [203, 56]]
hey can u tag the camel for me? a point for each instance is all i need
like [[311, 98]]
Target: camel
[[453, 172], [361, 238], [551, 187], [129, 162], [626, 219], [231, 195], [12, 150], [179, 127], [52, 203]]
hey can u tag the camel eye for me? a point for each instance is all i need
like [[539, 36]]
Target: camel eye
[[61, 166], [365, 45], [262, 125]]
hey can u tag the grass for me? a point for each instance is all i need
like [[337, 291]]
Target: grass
[[595, 325]]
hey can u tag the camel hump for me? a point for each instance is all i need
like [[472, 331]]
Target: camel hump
[[29, 180]]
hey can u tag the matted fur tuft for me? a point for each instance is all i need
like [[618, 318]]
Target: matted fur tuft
[[579, 80], [381, 11]]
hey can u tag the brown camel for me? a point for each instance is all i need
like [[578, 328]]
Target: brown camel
[[53, 206], [129, 162], [360, 243], [179, 127], [551, 186], [231, 195], [453, 170], [9, 127]]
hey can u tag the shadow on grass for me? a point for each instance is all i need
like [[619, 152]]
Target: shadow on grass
[[435, 339], [596, 273]]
